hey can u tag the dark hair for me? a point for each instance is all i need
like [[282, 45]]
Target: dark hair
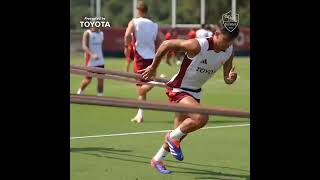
[[203, 25], [232, 35], [207, 27], [142, 6]]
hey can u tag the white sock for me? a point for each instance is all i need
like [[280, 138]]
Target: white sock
[[140, 113], [99, 94], [161, 154], [79, 91], [177, 134]]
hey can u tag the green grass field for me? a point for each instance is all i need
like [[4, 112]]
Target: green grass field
[[217, 153]]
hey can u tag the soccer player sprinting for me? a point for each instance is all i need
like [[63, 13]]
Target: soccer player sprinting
[[203, 57]]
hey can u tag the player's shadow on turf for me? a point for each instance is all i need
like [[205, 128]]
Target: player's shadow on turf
[[115, 151], [209, 173], [247, 178], [97, 149], [101, 152]]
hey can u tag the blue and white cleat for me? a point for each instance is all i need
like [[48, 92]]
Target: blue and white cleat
[[175, 148], [159, 166]]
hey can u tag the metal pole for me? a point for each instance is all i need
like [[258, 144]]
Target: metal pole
[[173, 13], [98, 5], [203, 10], [92, 8], [233, 9], [134, 8]]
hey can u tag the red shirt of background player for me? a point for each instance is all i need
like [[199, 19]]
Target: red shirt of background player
[[192, 34], [168, 36], [171, 35]]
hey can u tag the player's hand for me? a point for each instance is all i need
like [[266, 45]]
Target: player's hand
[[95, 57], [148, 72], [232, 76]]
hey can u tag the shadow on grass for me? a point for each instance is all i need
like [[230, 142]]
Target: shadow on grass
[[110, 153]]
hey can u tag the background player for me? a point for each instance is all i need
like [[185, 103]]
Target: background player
[[145, 34], [92, 43]]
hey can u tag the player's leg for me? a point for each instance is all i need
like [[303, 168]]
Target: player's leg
[[142, 91], [127, 66], [157, 160], [100, 87], [179, 118], [195, 120], [174, 57], [179, 58], [84, 83], [192, 123], [168, 57], [100, 83]]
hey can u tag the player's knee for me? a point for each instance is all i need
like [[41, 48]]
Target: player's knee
[[87, 80], [141, 92]]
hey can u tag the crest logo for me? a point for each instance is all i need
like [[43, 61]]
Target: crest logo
[[229, 22]]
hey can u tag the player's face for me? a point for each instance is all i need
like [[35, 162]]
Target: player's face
[[223, 42], [94, 29]]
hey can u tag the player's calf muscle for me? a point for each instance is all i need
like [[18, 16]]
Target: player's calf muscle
[[200, 120]]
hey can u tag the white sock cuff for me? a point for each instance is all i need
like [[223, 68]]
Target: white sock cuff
[[140, 112], [79, 91], [177, 133], [161, 154]]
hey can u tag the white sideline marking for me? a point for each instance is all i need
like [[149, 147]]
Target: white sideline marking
[[153, 132]]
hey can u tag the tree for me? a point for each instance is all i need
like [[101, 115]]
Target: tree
[[119, 13]]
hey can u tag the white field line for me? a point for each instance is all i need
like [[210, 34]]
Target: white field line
[[153, 132]]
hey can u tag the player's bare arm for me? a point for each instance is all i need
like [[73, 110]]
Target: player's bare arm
[[127, 36], [102, 48], [85, 45], [229, 73], [191, 46]]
